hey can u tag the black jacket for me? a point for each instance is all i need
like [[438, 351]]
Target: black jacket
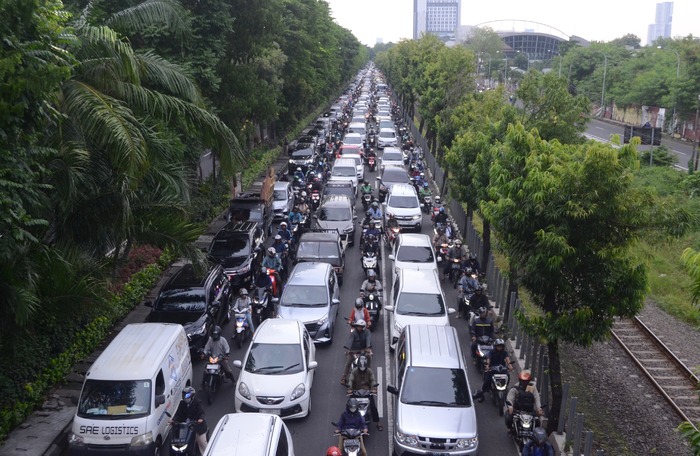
[[194, 412]]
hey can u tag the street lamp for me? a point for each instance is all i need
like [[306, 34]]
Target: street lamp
[[602, 97], [678, 73]]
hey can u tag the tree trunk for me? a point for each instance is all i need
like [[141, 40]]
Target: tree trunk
[[486, 247], [555, 385], [213, 166]]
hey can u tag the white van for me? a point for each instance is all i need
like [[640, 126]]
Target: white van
[[128, 390], [250, 434], [344, 169]]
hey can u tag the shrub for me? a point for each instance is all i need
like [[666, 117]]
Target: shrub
[[660, 156]]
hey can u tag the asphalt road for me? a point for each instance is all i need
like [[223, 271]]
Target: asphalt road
[[314, 434], [602, 131]]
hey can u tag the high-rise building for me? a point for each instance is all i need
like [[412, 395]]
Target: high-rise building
[[437, 17], [662, 25]]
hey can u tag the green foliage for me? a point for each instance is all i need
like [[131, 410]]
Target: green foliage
[[692, 435], [657, 156]]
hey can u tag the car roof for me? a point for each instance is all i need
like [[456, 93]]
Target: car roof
[[306, 151], [434, 346], [344, 161], [339, 183], [309, 273], [414, 239], [186, 277], [281, 185], [420, 281], [337, 201], [392, 150], [318, 236], [278, 331], [393, 170], [243, 434], [402, 189], [387, 130]]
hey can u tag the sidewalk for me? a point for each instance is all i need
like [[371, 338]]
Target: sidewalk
[[45, 432]]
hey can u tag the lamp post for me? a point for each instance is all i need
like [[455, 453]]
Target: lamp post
[[602, 97], [678, 74]]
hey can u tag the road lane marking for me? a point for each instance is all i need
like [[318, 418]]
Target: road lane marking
[[387, 358], [380, 393]]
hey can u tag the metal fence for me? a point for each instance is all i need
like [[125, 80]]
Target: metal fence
[[528, 350]]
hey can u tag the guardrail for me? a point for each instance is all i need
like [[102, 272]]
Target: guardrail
[[571, 436]]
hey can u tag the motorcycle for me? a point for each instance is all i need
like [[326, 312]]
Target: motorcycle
[[367, 353], [372, 163], [214, 376], [484, 347], [261, 306], [352, 440], [524, 423], [370, 262], [390, 235], [367, 199], [241, 330], [373, 305], [276, 286], [499, 385], [427, 203], [362, 396], [182, 439], [455, 271], [315, 199]]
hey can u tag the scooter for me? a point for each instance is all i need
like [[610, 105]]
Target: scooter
[[499, 385], [352, 440], [261, 305], [182, 439], [371, 162], [362, 396], [276, 286], [370, 261], [427, 203], [315, 200], [455, 271], [391, 234], [214, 377], [484, 347], [524, 423], [373, 305], [241, 330], [367, 199]]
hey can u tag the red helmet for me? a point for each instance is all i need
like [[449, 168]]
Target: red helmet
[[333, 451]]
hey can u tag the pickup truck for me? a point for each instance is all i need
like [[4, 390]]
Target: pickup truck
[[322, 246], [251, 207]]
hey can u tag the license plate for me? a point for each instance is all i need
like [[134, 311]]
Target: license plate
[[271, 411], [438, 454], [351, 442], [212, 366]]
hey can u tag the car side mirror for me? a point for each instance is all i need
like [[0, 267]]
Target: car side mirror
[[335, 301], [237, 363], [391, 257], [313, 365], [160, 399], [315, 217], [392, 389], [389, 308], [450, 311]]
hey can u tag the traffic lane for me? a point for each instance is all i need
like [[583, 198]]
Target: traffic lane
[[314, 434]]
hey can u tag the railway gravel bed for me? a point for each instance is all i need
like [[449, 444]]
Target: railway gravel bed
[[626, 412]]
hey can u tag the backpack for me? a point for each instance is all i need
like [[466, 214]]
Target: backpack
[[525, 401]]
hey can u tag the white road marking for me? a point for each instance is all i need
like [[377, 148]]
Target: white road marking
[[387, 358], [380, 393]]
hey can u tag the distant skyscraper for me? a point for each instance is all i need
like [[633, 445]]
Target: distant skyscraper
[[662, 26], [437, 17]]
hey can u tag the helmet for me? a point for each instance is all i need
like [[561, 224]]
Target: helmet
[[188, 393], [278, 237], [271, 251], [425, 184], [303, 194], [375, 204], [359, 303], [378, 224], [243, 292], [362, 362], [366, 182], [437, 199], [298, 168], [482, 310], [333, 451], [371, 273], [498, 342], [442, 209], [360, 324], [283, 224], [216, 333], [422, 174], [525, 376], [472, 256], [458, 243], [352, 405], [539, 436]]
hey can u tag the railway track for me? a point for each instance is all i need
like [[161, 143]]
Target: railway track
[[668, 373]]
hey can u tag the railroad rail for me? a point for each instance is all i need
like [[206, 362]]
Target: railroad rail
[[674, 380]]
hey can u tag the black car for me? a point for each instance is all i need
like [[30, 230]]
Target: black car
[[196, 301], [304, 159], [250, 207], [239, 251], [306, 142], [322, 246]]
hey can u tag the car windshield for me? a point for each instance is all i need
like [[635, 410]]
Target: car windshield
[[420, 304], [122, 399], [437, 387], [413, 254], [274, 359], [344, 171], [304, 296], [387, 134], [392, 156], [403, 202], [321, 250], [303, 154], [358, 160], [395, 175], [245, 214], [353, 139], [231, 247], [335, 214], [192, 300], [280, 195]]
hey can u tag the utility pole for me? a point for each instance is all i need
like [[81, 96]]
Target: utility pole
[[602, 97], [695, 140]]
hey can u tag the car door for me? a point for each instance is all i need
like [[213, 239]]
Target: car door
[[310, 355], [335, 298]]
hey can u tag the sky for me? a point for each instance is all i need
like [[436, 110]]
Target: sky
[[594, 20]]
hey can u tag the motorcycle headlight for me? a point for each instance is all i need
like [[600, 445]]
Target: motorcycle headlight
[[467, 444], [75, 439], [244, 391], [406, 439], [142, 440], [298, 391]]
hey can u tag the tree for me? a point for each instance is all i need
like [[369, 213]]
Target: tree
[[630, 40], [548, 106], [565, 217], [484, 41]]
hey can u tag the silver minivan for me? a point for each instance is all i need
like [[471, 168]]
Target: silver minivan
[[433, 409]]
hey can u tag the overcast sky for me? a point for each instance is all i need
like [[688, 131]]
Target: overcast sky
[[594, 20]]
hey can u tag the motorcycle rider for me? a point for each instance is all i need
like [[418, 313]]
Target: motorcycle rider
[[303, 207], [456, 251], [481, 326], [473, 262], [263, 280], [523, 397], [316, 185], [272, 261], [284, 232], [190, 408], [440, 238], [362, 377], [440, 217], [280, 246], [498, 357], [538, 444], [244, 305], [467, 287], [359, 312], [217, 346], [375, 211], [392, 223], [295, 217], [371, 284], [366, 187], [360, 341], [351, 419], [299, 174], [479, 299], [425, 191]]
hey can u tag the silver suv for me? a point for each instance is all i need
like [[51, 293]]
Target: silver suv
[[433, 405]]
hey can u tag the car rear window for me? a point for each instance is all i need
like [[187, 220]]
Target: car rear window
[[415, 254], [435, 387]]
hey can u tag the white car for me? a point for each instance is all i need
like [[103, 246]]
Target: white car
[[278, 370], [387, 138], [353, 138], [359, 163], [392, 156], [413, 251]]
